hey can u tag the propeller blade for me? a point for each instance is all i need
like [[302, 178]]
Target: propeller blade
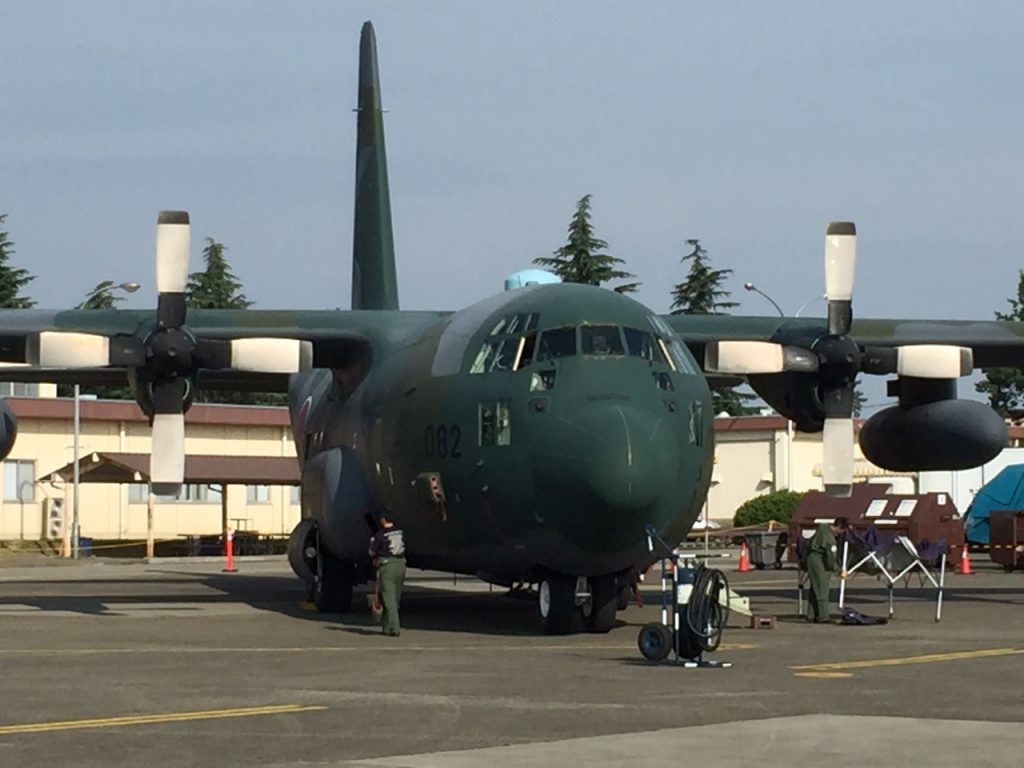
[[837, 457], [837, 440], [56, 349], [757, 357], [59, 349], [271, 355], [167, 454], [172, 248], [840, 267], [934, 361], [922, 361]]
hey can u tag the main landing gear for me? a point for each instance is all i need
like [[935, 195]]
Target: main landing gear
[[330, 589], [567, 602]]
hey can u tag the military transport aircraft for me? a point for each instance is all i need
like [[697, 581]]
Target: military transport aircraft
[[530, 437]]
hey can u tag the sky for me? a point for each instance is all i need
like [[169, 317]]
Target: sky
[[747, 125]]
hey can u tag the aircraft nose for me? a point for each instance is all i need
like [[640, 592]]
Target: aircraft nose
[[632, 457]]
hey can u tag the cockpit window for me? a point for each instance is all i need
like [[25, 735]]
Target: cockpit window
[[679, 359], [641, 344], [601, 340], [509, 346], [496, 355], [515, 324], [556, 343]]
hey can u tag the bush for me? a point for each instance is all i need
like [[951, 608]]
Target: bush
[[777, 506]]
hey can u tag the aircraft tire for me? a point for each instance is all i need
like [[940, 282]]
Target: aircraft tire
[[654, 641], [557, 603], [599, 613], [332, 592], [624, 595]]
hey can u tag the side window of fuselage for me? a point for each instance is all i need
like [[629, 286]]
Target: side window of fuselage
[[495, 420]]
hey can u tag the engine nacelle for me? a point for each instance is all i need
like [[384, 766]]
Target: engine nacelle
[[942, 435], [336, 496], [8, 429]]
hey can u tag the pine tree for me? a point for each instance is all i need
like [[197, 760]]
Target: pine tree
[[12, 279], [702, 294], [1005, 386], [101, 297], [581, 259], [215, 287]]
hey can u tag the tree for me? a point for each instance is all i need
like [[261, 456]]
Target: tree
[[1005, 386], [859, 399], [12, 279], [581, 259], [101, 297], [702, 293], [776, 506], [215, 287]]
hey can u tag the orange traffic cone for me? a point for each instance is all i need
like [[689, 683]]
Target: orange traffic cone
[[965, 564], [744, 564]]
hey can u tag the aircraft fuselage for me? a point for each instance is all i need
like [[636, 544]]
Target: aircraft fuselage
[[538, 430]]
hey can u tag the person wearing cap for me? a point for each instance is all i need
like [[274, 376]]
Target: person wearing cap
[[387, 548], [822, 561]]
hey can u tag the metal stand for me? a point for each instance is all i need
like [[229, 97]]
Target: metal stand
[[890, 577]]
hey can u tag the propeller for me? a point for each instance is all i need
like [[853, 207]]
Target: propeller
[[165, 357], [835, 359]]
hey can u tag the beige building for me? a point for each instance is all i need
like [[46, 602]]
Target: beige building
[[36, 501], [753, 455]]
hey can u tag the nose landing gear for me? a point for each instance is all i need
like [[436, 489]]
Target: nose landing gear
[[566, 602]]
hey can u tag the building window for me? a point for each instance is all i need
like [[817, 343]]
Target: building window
[[19, 389], [20, 481], [138, 493], [257, 494], [295, 495]]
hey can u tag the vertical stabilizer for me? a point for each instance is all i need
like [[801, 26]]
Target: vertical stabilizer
[[374, 283]]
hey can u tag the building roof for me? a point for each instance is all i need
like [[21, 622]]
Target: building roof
[[107, 467], [127, 410]]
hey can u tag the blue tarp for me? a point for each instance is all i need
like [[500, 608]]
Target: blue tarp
[[1004, 491]]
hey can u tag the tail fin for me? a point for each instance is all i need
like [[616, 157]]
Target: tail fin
[[374, 282]]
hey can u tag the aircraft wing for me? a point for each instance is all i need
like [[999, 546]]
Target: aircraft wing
[[807, 370], [993, 343], [333, 337]]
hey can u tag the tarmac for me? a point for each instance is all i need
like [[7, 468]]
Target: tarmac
[[110, 663]]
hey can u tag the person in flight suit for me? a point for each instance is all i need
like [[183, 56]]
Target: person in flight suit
[[821, 562], [387, 548]]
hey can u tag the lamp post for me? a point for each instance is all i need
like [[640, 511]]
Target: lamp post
[[130, 287], [755, 289]]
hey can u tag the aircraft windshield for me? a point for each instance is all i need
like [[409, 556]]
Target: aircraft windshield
[[556, 343], [514, 343], [601, 340], [506, 347]]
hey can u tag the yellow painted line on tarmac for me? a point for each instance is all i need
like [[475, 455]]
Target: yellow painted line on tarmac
[[391, 645], [930, 658], [825, 675], [167, 717]]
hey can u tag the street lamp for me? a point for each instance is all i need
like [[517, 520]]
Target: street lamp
[[129, 287], [755, 289]]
